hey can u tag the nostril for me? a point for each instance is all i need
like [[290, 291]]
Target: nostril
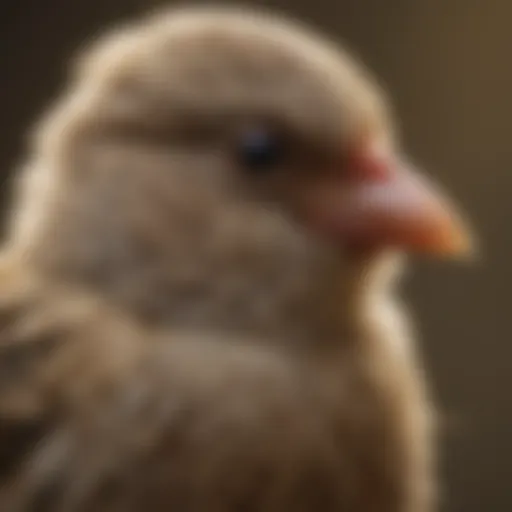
[[371, 162]]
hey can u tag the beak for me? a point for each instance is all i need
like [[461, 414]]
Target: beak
[[382, 201]]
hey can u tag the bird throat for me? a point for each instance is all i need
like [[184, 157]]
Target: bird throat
[[269, 281]]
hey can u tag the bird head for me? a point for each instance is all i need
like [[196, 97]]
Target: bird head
[[224, 150]]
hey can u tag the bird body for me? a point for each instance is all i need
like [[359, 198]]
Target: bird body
[[102, 413], [176, 331]]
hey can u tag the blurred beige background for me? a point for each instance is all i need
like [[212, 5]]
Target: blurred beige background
[[448, 65]]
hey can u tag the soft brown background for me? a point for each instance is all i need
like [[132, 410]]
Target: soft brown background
[[448, 65]]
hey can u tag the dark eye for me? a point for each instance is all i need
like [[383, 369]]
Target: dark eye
[[260, 150]]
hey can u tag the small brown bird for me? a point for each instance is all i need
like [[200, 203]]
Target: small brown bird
[[196, 300]]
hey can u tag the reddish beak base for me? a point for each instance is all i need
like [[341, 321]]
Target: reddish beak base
[[389, 206]]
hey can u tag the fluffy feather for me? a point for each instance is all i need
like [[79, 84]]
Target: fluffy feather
[[172, 337]]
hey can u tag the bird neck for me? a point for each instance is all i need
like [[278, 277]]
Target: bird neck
[[283, 297], [192, 262]]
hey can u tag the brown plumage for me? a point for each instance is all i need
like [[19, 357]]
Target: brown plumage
[[196, 298]]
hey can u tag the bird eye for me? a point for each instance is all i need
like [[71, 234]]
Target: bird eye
[[260, 150]]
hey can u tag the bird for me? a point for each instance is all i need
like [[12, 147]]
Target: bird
[[199, 305]]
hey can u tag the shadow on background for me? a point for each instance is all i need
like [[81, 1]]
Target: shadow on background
[[448, 66]]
